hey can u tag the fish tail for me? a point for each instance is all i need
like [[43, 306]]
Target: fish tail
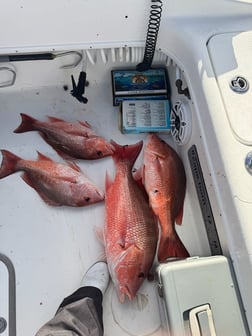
[[9, 163], [27, 124], [126, 153], [171, 247]]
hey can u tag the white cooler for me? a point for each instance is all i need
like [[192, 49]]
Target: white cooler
[[200, 297]]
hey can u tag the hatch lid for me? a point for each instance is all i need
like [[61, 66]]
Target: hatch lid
[[230, 55]]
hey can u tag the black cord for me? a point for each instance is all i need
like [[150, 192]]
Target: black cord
[[152, 33]]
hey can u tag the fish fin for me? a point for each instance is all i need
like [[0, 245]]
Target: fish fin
[[122, 297], [108, 181], [126, 153], [27, 124], [43, 157], [170, 247], [102, 256], [58, 151], [44, 136], [82, 123], [71, 179], [159, 155], [44, 197], [28, 180], [180, 216], [100, 235], [48, 200], [9, 163], [74, 166], [157, 165], [62, 154], [85, 124], [138, 177], [142, 301], [54, 119]]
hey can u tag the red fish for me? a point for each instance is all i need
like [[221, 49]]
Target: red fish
[[56, 183], [70, 140], [131, 231], [165, 182]]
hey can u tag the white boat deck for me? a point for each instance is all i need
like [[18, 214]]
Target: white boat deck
[[51, 247]]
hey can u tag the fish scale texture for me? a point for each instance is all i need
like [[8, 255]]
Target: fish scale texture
[[130, 232], [69, 139], [56, 183], [165, 183], [127, 213]]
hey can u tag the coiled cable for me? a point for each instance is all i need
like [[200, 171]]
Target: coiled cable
[[152, 33]]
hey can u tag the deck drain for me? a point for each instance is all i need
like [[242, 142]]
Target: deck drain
[[3, 325], [239, 84], [248, 162]]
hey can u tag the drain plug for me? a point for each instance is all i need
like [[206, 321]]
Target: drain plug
[[248, 162], [239, 84], [3, 324]]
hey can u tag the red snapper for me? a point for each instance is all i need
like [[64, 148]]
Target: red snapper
[[70, 140], [56, 183], [130, 231], [165, 182]]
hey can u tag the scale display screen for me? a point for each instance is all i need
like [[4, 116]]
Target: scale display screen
[[132, 83]]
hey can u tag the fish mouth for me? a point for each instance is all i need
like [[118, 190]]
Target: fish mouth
[[151, 137], [106, 151], [94, 197]]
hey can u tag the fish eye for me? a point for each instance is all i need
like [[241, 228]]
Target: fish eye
[[87, 199], [99, 153], [155, 191], [141, 275]]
